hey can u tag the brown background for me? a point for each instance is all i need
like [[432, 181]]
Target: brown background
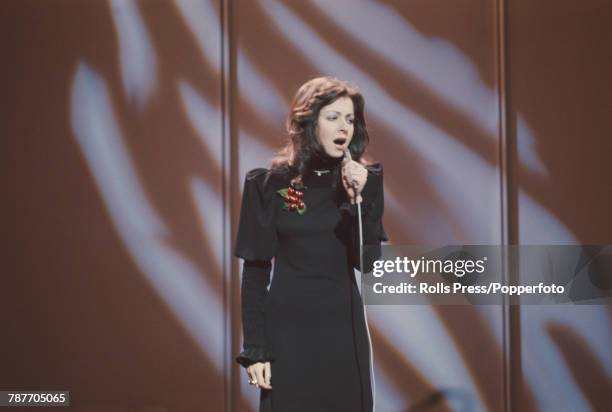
[[490, 117]]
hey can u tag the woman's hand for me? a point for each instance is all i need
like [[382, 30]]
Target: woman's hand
[[260, 375], [354, 174]]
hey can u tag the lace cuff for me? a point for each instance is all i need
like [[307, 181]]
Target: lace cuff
[[253, 355]]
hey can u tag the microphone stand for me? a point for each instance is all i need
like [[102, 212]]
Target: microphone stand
[[347, 155], [360, 225]]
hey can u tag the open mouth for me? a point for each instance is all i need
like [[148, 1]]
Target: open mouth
[[340, 141]]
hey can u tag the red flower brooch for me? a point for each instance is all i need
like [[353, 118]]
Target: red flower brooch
[[293, 197]]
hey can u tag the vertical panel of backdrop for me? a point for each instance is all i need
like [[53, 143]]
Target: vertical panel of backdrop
[[559, 89], [113, 283], [429, 73]]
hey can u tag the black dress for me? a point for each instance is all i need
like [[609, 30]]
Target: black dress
[[310, 324]]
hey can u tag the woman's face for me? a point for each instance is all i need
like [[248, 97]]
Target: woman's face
[[335, 126]]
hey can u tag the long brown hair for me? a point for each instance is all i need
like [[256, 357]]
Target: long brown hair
[[302, 145]]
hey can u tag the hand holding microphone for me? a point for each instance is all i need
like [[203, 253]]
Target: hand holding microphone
[[354, 176]]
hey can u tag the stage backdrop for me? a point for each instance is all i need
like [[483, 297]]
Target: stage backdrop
[[128, 127]]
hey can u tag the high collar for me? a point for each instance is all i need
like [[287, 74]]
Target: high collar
[[324, 162]]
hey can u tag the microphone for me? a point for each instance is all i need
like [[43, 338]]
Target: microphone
[[348, 157], [347, 154]]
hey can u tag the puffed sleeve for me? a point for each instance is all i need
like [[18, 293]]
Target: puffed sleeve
[[256, 239], [256, 243], [372, 208]]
